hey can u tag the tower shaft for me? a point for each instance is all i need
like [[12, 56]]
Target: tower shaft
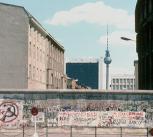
[[107, 76], [107, 61]]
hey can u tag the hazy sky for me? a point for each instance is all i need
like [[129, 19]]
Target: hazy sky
[[80, 26]]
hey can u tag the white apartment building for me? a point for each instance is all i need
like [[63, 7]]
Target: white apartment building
[[122, 82]]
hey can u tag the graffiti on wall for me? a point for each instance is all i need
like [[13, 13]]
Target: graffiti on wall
[[10, 113], [101, 119], [98, 110], [80, 110]]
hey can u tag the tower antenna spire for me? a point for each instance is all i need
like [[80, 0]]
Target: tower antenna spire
[[107, 36], [107, 61]]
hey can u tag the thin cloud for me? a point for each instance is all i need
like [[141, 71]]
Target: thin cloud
[[94, 13]]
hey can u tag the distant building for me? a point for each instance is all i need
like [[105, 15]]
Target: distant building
[[136, 74], [144, 30], [88, 72], [122, 82], [73, 84], [30, 57]]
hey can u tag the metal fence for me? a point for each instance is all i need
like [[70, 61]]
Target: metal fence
[[76, 132]]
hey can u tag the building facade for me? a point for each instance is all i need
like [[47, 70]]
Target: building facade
[[122, 82], [88, 72], [136, 74], [30, 57], [144, 30]]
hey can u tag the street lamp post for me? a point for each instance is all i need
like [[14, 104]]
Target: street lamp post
[[126, 39], [136, 67]]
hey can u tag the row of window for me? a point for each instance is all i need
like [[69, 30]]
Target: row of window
[[40, 56], [40, 75], [55, 83], [122, 87], [36, 37], [57, 66], [52, 50], [36, 53], [123, 80], [37, 74], [57, 54], [54, 80]]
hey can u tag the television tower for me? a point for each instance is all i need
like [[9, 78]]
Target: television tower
[[107, 61]]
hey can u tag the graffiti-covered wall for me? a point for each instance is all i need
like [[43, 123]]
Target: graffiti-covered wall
[[89, 109]]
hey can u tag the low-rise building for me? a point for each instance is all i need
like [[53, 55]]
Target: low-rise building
[[122, 82]]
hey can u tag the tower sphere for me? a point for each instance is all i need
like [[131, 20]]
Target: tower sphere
[[107, 60]]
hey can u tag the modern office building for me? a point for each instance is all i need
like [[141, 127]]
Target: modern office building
[[122, 82], [30, 57], [144, 30], [88, 72]]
